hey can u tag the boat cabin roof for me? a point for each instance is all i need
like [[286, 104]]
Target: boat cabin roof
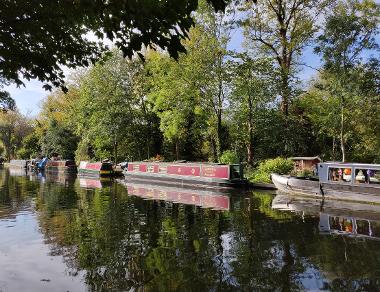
[[306, 158], [350, 165]]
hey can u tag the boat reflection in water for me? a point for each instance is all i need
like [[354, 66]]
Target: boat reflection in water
[[94, 183], [335, 217], [61, 178], [17, 171], [205, 199]]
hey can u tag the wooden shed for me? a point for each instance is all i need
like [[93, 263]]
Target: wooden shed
[[303, 163]]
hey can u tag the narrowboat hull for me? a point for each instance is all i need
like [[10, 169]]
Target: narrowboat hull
[[327, 190], [88, 172], [191, 175], [95, 169], [21, 164], [62, 166]]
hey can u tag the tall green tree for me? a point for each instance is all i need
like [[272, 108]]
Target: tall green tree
[[253, 90], [202, 84], [13, 128], [58, 140], [322, 105], [112, 110], [349, 31], [281, 29]]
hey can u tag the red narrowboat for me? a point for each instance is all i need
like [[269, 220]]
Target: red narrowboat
[[187, 174]]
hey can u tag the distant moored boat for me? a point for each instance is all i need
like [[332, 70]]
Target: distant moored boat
[[66, 166], [18, 163]]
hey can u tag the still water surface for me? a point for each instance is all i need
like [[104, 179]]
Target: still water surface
[[65, 234]]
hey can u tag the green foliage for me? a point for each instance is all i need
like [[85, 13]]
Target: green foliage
[[13, 128], [229, 157], [189, 95], [30, 147], [23, 153], [350, 28], [304, 173], [31, 32], [6, 101], [112, 114], [266, 168], [59, 140]]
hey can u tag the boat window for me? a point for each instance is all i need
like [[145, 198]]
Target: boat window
[[363, 227], [235, 171], [341, 224], [106, 166], [367, 176], [340, 174]]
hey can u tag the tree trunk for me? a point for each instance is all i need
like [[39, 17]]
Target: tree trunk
[[250, 133], [342, 146], [219, 136], [115, 151], [177, 149], [333, 149], [285, 92]]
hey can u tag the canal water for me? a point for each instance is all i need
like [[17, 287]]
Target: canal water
[[62, 233]]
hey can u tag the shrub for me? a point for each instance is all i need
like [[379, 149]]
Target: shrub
[[278, 165], [305, 173], [23, 153], [229, 157]]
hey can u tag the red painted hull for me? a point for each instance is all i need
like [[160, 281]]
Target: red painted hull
[[187, 174]]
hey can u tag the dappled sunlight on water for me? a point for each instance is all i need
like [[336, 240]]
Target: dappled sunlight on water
[[60, 233]]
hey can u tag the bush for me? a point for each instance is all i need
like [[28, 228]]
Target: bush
[[229, 157], [278, 165], [23, 153], [305, 173]]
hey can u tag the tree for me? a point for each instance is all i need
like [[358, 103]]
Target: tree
[[281, 29], [13, 128], [112, 112], [6, 101], [58, 140], [349, 31], [30, 146], [361, 93], [37, 40], [202, 85], [176, 102], [253, 89]]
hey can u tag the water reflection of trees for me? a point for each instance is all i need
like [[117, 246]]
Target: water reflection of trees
[[16, 194], [124, 242]]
